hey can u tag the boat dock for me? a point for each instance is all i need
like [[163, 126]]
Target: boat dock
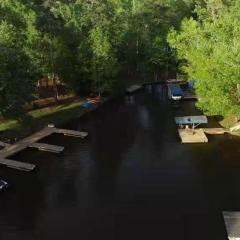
[[192, 135], [17, 165], [232, 224], [189, 134], [47, 147], [32, 142], [71, 133]]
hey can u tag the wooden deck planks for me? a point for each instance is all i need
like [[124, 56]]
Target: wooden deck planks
[[17, 165], [23, 144], [32, 141], [71, 133], [47, 147], [192, 136]]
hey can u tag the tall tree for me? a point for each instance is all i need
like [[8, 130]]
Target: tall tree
[[16, 70], [209, 46]]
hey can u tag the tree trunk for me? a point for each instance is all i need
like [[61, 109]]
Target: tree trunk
[[55, 88]]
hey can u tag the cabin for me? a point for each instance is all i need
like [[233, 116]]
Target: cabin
[[46, 88], [175, 92]]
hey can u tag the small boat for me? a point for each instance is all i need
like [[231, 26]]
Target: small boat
[[3, 185], [175, 92]]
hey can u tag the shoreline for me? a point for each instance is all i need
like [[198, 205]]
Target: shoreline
[[58, 115]]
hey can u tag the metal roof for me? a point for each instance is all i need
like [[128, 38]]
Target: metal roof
[[191, 120]]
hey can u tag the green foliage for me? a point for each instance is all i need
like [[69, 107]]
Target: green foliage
[[210, 47], [16, 71], [89, 45]]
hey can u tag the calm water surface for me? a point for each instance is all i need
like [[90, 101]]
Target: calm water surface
[[131, 179]]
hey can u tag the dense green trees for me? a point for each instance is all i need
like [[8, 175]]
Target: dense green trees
[[17, 35], [98, 45], [90, 45], [209, 47]]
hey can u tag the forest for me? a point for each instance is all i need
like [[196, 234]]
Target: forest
[[100, 46]]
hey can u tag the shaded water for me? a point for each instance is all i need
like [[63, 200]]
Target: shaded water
[[131, 179]]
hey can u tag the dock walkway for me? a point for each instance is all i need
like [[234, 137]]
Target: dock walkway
[[47, 147], [71, 133], [32, 141]]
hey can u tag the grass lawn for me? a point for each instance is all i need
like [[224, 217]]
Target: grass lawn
[[40, 118]]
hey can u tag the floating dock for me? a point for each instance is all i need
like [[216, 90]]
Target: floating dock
[[47, 147], [192, 136], [71, 133], [17, 165], [32, 141], [232, 223]]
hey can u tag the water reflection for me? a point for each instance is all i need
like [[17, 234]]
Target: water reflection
[[130, 179]]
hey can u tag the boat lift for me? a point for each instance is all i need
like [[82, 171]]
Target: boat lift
[[194, 121]]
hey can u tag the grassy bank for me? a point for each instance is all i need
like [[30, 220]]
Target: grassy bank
[[39, 118], [228, 122]]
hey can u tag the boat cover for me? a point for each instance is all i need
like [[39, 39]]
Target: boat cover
[[175, 90], [191, 120]]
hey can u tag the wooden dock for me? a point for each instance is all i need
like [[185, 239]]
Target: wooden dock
[[192, 136], [47, 147], [71, 133], [17, 165], [232, 224], [32, 141], [215, 131]]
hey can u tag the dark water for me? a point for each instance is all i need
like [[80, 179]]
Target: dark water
[[131, 179]]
